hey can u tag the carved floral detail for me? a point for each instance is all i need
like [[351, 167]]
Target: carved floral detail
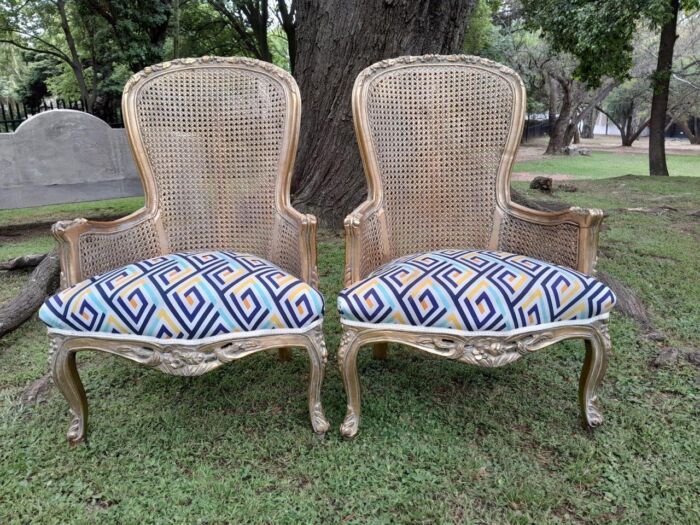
[[486, 351], [439, 59], [180, 360], [351, 423], [320, 343], [182, 63], [318, 420], [347, 338]]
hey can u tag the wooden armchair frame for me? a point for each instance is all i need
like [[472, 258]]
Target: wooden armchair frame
[[567, 238], [88, 248]]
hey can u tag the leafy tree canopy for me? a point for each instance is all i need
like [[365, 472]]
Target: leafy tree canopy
[[599, 34]]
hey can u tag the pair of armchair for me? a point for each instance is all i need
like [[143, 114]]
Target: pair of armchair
[[218, 265]]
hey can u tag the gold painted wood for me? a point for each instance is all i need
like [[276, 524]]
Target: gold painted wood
[[181, 358], [225, 212], [490, 352], [462, 154]]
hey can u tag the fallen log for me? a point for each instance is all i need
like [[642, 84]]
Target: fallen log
[[23, 262], [43, 282]]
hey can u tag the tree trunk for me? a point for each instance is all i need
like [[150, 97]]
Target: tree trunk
[[76, 64], [553, 99], [287, 16], [558, 136], [589, 125], [42, 283], [335, 40], [694, 138], [659, 100]]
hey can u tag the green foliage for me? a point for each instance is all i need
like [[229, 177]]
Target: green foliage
[[31, 80], [63, 85], [113, 40], [481, 32], [133, 32], [629, 100], [590, 31], [599, 34]]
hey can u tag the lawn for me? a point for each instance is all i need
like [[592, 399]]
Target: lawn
[[440, 442], [603, 165]]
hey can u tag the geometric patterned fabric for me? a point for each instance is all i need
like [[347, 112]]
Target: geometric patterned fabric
[[186, 296], [473, 290]]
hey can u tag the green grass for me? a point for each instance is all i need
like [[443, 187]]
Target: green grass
[[439, 443], [57, 212], [35, 230], [603, 165]]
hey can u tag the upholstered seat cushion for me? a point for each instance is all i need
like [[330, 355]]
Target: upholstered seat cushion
[[186, 296], [474, 290]]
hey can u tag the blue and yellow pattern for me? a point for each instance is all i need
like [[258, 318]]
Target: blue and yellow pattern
[[474, 290], [186, 296]]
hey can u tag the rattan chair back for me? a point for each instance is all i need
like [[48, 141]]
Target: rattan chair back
[[215, 141], [438, 137]]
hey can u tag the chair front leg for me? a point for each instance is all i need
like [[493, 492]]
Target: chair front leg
[[318, 355], [347, 361], [594, 367], [66, 378]]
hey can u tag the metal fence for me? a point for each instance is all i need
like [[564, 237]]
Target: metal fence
[[13, 113]]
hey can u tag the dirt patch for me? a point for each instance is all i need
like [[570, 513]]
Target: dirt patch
[[527, 176], [535, 149]]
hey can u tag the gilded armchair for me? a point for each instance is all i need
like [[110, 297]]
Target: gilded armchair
[[438, 257], [217, 265]]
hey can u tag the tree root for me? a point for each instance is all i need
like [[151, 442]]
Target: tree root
[[23, 262], [627, 301], [43, 282]]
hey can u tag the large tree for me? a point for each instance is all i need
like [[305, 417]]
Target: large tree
[[600, 35], [335, 40], [35, 26]]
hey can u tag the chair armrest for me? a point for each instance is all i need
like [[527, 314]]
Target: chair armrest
[[366, 242], [568, 237], [87, 248], [294, 245]]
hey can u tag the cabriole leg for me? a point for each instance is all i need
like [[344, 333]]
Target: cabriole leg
[[380, 351], [318, 356], [594, 368], [66, 378], [347, 361]]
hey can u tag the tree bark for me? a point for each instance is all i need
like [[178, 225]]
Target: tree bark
[[694, 138], [659, 100], [589, 125], [42, 283], [23, 262], [558, 134], [335, 40], [287, 18], [553, 98]]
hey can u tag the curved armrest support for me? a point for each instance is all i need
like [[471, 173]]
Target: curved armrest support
[[88, 248], [568, 237], [294, 245], [366, 242]]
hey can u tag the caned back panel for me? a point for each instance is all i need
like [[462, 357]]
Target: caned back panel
[[214, 138], [438, 133]]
